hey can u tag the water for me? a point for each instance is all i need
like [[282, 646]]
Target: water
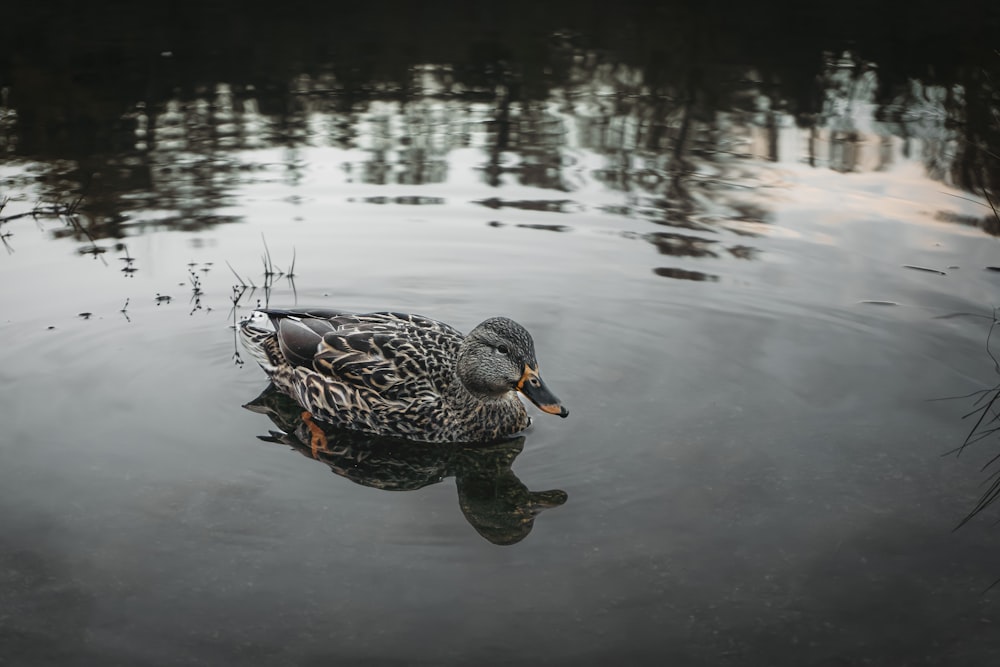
[[721, 272]]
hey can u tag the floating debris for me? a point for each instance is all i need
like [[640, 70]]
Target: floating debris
[[94, 250], [85, 316], [196, 291], [545, 228], [952, 315], [924, 268], [993, 268], [876, 302], [129, 268], [684, 274]]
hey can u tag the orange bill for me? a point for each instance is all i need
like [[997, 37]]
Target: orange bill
[[531, 385]]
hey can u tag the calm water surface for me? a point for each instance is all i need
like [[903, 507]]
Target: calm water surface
[[730, 295]]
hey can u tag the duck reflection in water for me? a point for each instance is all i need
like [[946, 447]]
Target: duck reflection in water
[[492, 498]]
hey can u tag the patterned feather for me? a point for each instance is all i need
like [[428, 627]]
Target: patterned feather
[[394, 374]]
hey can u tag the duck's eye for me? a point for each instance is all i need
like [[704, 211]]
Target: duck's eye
[[502, 349]]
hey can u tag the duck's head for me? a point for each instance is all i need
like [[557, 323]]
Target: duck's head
[[497, 357]]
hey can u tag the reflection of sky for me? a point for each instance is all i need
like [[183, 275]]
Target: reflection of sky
[[202, 151], [603, 130], [458, 136], [604, 155], [810, 230]]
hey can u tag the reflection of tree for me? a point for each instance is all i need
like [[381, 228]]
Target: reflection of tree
[[666, 113], [8, 124], [976, 166], [494, 501], [666, 148], [405, 143]]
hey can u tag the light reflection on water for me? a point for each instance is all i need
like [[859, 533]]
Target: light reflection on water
[[750, 453]]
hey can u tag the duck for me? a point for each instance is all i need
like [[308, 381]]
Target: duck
[[402, 375]]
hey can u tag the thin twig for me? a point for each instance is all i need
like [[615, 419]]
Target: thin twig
[[242, 282]]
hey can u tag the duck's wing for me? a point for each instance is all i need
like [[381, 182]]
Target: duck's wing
[[278, 314], [399, 356], [318, 318]]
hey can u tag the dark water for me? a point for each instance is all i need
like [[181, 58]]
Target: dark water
[[718, 228]]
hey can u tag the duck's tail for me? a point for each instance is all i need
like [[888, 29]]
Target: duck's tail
[[257, 334]]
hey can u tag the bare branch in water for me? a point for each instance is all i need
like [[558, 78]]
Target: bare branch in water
[[987, 425], [993, 325], [242, 282], [990, 201]]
